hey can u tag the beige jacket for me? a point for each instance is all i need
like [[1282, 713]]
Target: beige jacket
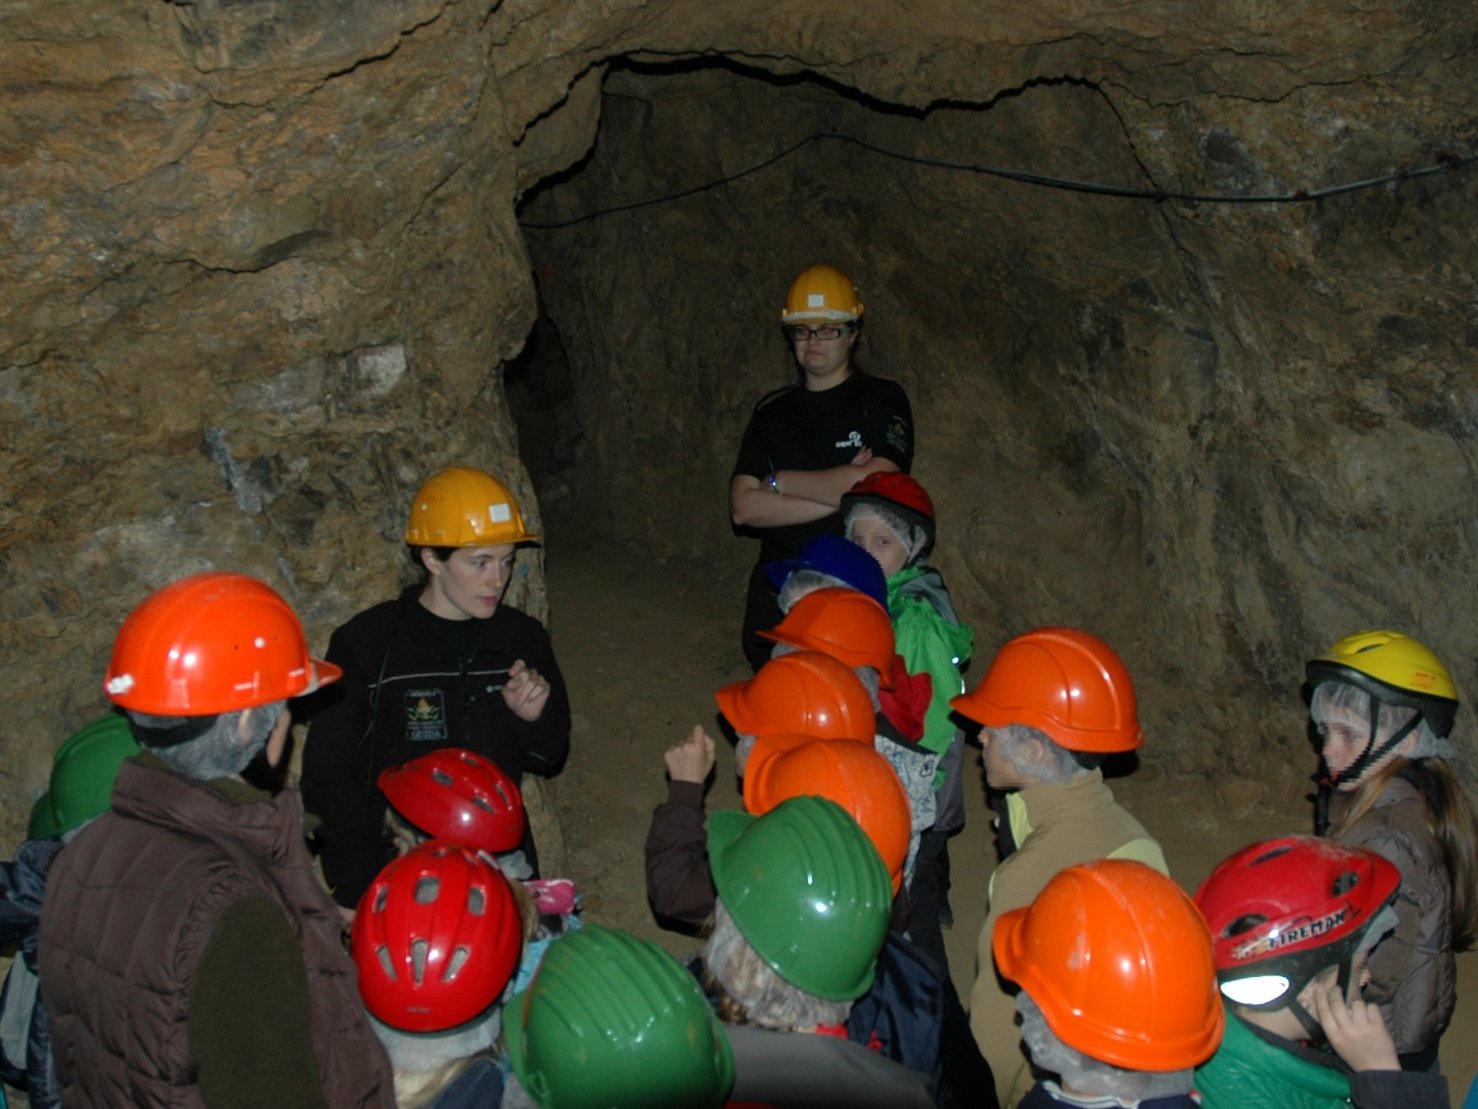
[[1057, 826]]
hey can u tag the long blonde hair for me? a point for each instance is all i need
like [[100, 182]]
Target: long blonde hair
[[1451, 821], [417, 1089]]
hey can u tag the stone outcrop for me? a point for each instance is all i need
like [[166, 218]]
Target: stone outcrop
[[263, 267]]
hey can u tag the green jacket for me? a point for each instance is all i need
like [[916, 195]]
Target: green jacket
[[1248, 1071], [931, 641]]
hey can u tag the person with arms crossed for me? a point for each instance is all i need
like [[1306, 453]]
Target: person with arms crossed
[[810, 442]]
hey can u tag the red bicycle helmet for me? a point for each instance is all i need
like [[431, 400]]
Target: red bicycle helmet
[[897, 489], [458, 795], [899, 492], [1282, 910], [436, 938]]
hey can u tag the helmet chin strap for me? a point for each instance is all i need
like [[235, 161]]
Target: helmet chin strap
[[1321, 803], [1313, 1029], [1327, 780]]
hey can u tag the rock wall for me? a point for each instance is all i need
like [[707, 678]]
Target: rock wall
[[261, 273], [263, 269]]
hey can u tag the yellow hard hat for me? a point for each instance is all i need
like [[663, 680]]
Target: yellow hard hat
[[464, 507], [822, 293]]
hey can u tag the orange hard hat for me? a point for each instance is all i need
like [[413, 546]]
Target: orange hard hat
[[843, 623], [807, 693], [212, 643], [1118, 958], [852, 774], [1063, 682]]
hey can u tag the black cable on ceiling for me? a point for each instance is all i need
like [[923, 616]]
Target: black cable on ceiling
[[1446, 163]]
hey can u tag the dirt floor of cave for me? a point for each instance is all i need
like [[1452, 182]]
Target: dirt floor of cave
[[643, 646]]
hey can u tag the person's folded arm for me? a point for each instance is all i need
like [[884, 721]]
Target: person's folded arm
[[827, 486], [804, 496], [753, 504]]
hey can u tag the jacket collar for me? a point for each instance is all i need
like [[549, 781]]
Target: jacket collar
[[224, 809]]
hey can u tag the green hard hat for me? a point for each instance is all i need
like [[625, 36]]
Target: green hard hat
[[807, 890], [613, 1021], [82, 775]]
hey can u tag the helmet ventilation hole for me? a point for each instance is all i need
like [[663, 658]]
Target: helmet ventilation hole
[[1269, 856], [419, 949], [1246, 923], [427, 890], [382, 953], [455, 964], [476, 903]]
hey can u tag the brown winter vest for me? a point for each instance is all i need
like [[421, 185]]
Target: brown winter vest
[[130, 906]]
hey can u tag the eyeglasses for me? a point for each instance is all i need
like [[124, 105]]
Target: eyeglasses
[[799, 333]]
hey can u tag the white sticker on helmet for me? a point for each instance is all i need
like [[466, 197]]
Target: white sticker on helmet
[[499, 513], [815, 300]]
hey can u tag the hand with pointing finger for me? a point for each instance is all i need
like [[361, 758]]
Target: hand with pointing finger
[[526, 692]]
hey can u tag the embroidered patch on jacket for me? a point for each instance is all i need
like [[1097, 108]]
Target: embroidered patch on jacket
[[425, 716], [897, 434]]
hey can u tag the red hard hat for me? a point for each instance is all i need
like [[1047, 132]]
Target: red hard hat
[[1282, 910], [852, 774], [1063, 682], [212, 643], [459, 795], [807, 693], [1118, 960], [843, 623], [436, 938]]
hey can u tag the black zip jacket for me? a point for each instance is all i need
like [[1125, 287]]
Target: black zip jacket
[[414, 682]]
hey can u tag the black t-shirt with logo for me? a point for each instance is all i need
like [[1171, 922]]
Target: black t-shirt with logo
[[415, 682], [796, 429]]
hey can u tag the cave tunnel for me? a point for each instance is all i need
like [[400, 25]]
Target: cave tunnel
[[1124, 406]]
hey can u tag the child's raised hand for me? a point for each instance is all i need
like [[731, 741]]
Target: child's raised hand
[[1355, 1028], [692, 759]]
